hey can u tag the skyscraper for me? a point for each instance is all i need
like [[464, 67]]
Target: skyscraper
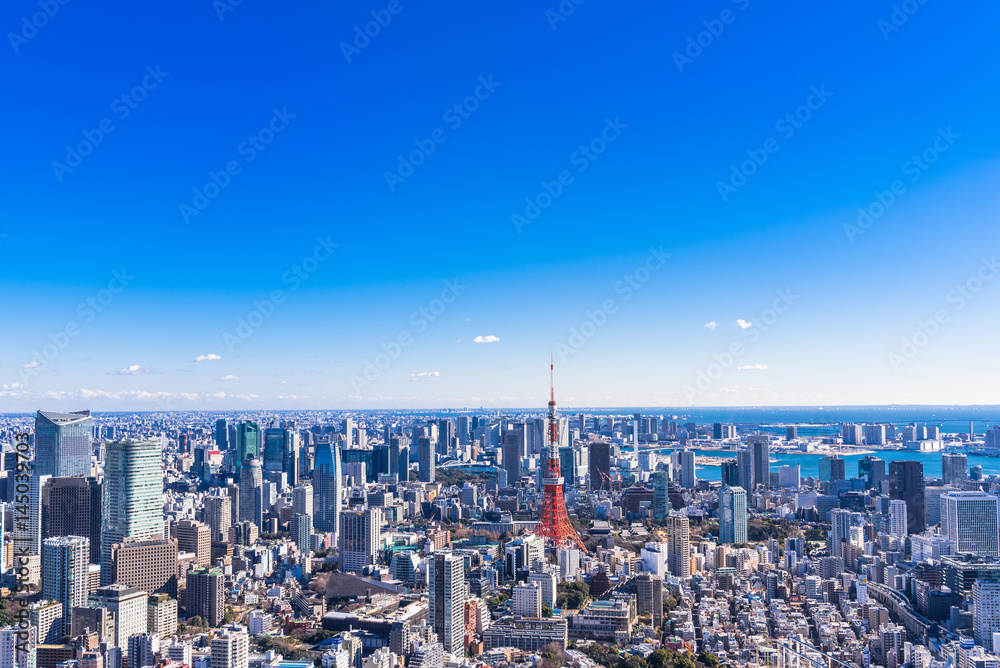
[[65, 566], [221, 434], [512, 457], [206, 594], [760, 452], [744, 466], [300, 528], [897, 519], [133, 496], [399, 458], [302, 500], [954, 468], [970, 520], [678, 531], [63, 443], [687, 469], [72, 507], [359, 538], [447, 592], [252, 492], [872, 469], [149, 565], [661, 498], [906, 482], [730, 472], [427, 460], [194, 537], [832, 467], [986, 613], [218, 515], [600, 464], [247, 442], [732, 515], [326, 492], [649, 597]]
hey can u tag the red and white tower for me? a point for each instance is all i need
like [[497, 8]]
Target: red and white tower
[[553, 521]]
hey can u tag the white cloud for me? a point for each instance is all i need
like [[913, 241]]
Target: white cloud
[[751, 367], [489, 338], [30, 365], [211, 357], [133, 370], [712, 324], [229, 377], [743, 324], [425, 374], [12, 386]]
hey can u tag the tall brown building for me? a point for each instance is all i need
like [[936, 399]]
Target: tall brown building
[[194, 537], [72, 507], [206, 595], [148, 565]]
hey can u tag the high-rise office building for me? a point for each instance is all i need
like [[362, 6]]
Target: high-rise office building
[[875, 434], [730, 473], [206, 594], [149, 565], [359, 539], [760, 452], [128, 605], [222, 434], [63, 443], [789, 477], [986, 613], [649, 597], [194, 537], [600, 464], [446, 589], [327, 488], [732, 515], [65, 568], [897, 519], [744, 467], [661, 492], [688, 480], [906, 482], [247, 442], [399, 458], [72, 507], [832, 467], [28, 534], [872, 469], [300, 528], [970, 520], [427, 460], [954, 469], [252, 492], [218, 515], [678, 529], [133, 496], [302, 500]]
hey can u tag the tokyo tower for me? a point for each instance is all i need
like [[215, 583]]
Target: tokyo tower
[[553, 522]]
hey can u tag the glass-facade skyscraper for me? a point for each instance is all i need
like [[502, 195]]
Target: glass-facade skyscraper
[[732, 515], [63, 443], [133, 496], [326, 488]]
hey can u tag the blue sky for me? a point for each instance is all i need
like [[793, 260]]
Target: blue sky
[[301, 121]]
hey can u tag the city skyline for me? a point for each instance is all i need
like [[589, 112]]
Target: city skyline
[[287, 237]]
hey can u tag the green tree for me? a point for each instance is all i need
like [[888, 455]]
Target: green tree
[[659, 659], [708, 659], [546, 611]]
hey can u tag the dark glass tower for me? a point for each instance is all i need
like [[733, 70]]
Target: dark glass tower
[[906, 482], [63, 443]]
